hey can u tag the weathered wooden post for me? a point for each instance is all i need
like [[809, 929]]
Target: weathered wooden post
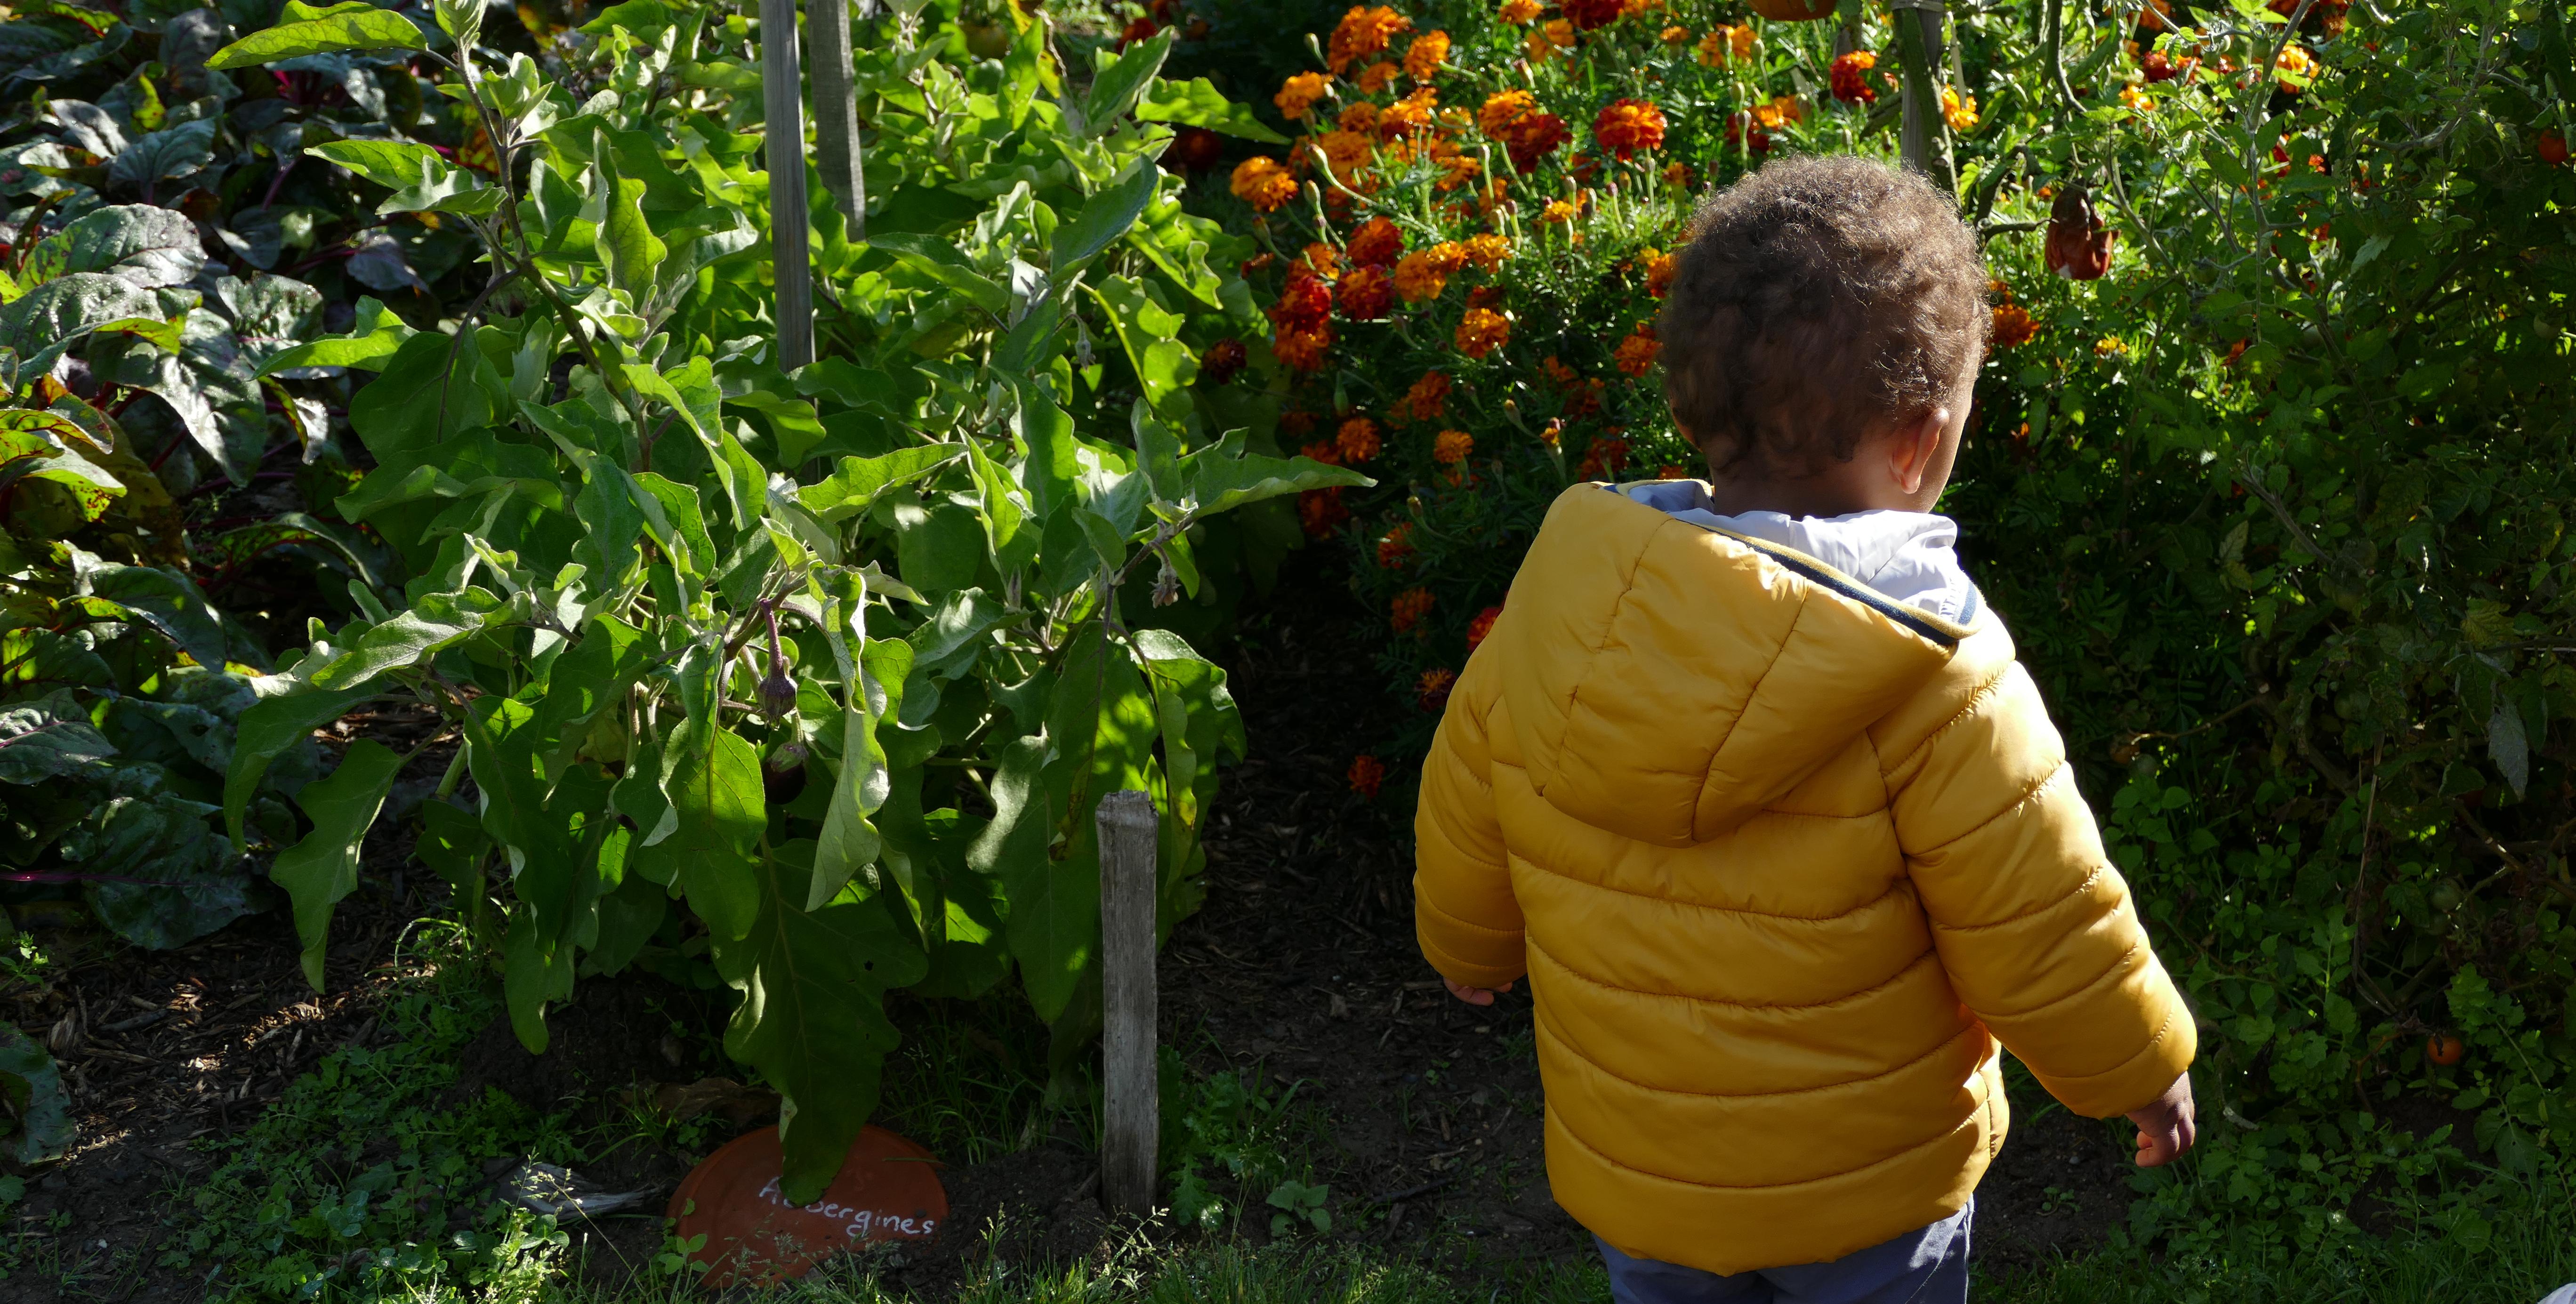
[[783, 101], [1131, 1115], [836, 111], [1924, 138]]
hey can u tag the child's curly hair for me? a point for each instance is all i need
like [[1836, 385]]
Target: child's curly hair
[[1819, 299]]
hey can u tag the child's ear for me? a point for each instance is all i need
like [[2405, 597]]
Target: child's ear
[[1910, 453]]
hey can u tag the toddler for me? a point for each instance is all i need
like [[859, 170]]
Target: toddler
[[1747, 782]]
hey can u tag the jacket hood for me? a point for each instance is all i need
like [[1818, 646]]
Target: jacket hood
[[1669, 677]]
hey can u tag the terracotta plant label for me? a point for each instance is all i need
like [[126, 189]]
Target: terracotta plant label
[[888, 1190]]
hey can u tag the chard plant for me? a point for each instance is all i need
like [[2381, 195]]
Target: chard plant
[[818, 675]]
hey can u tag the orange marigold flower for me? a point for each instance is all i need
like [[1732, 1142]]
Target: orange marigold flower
[[1222, 360], [1482, 331], [1321, 511], [1423, 58], [1377, 243], [1297, 95], [1368, 774], [1322, 450], [1519, 13], [1849, 85], [1557, 373], [1396, 546], [2295, 69], [1548, 38], [1553, 432], [1459, 167], [1357, 439], [1303, 350], [1346, 152], [1304, 303], [1584, 399], [1375, 78], [1488, 251], [1482, 625], [1428, 398], [1502, 109], [1674, 36], [1262, 183], [1432, 690], [1450, 447], [1358, 115], [1636, 354], [1557, 210], [1408, 115], [1725, 43], [1960, 111], [1367, 293], [1633, 8], [1660, 269], [2012, 326], [1677, 175], [1321, 259], [1424, 273], [1408, 609], [1781, 109], [1626, 126], [1362, 32]]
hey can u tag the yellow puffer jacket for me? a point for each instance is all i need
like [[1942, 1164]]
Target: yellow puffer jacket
[[1782, 860]]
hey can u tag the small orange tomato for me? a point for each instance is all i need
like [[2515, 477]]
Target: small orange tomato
[[2444, 1049]]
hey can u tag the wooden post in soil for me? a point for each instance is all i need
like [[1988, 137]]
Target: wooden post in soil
[[1924, 138], [791, 260], [836, 112], [1132, 1117]]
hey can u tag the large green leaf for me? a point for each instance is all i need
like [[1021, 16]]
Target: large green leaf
[[1104, 217], [47, 737], [436, 621], [1222, 476], [848, 841], [629, 252], [938, 259], [721, 812], [810, 1016], [267, 729], [49, 319], [1197, 103], [856, 481], [373, 340], [37, 1123], [157, 873], [349, 27], [323, 868], [165, 601], [1149, 333], [1122, 78], [139, 244]]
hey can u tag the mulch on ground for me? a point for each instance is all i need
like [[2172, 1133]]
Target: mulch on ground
[[1301, 967]]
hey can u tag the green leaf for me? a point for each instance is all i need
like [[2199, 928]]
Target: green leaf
[[41, 324], [811, 1017], [47, 737], [264, 732], [180, 151], [938, 259], [856, 481], [349, 27], [323, 868], [139, 244], [721, 813], [1104, 217], [37, 1112], [848, 841], [1149, 333], [167, 602], [436, 622], [1222, 477], [1121, 79], [392, 164], [1197, 103], [373, 340], [628, 250]]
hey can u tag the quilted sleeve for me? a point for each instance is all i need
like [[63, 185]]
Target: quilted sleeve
[[1464, 913], [2035, 926]]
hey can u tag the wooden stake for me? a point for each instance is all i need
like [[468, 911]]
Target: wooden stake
[[1132, 1116], [836, 111], [1924, 137], [782, 94]]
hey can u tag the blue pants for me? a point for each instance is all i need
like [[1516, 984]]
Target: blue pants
[[1925, 1266]]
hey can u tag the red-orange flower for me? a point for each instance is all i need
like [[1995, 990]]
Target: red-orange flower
[[2012, 326], [1482, 625], [1428, 397], [1589, 14], [1660, 270], [1408, 609], [1357, 438], [1482, 331], [1368, 774], [1423, 58], [1321, 511], [1626, 126], [1849, 85], [1297, 95], [1304, 303], [1396, 546], [1636, 354], [1303, 350], [1408, 115], [1432, 690], [1377, 243], [1262, 183], [1424, 273], [1222, 360], [1363, 32], [1450, 447], [1603, 458], [1367, 293]]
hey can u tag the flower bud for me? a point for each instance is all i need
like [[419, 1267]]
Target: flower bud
[[777, 695]]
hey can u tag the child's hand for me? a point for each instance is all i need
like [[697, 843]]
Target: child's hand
[[1474, 995], [2166, 1128]]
